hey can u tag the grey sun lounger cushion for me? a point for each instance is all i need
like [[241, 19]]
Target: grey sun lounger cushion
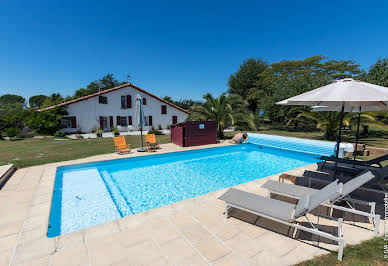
[[253, 202], [301, 191], [279, 209]]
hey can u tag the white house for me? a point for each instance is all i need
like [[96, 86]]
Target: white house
[[116, 107]]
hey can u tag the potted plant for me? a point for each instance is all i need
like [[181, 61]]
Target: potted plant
[[115, 131], [99, 133]]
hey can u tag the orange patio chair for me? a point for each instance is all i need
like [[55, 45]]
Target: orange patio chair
[[151, 143], [121, 146]]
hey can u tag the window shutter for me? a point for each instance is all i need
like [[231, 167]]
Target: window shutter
[[129, 101], [111, 121], [101, 124], [144, 101], [129, 120], [99, 99], [164, 109], [150, 120], [174, 119], [118, 120], [73, 122]]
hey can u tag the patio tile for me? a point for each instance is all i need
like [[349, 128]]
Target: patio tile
[[177, 251], [77, 255], [10, 228], [105, 252], [45, 261], [212, 249], [134, 236], [69, 240], [5, 256], [243, 245], [8, 242], [232, 259], [34, 249], [225, 230], [195, 233], [145, 253], [100, 231]]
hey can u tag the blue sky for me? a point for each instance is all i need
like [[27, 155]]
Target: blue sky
[[183, 49]]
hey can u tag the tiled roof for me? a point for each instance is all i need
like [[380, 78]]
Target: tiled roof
[[114, 89]]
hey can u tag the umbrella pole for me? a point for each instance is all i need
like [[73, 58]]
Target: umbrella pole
[[339, 140], [141, 137], [357, 136]]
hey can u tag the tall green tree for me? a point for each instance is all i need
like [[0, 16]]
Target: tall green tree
[[37, 100], [378, 73], [243, 81], [12, 99], [186, 104], [289, 78], [106, 82], [226, 110]]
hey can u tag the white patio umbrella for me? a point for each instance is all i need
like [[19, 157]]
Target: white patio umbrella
[[140, 121], [343, 95]]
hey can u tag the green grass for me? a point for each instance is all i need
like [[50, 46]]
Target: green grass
[[369, 252], [30, 152]]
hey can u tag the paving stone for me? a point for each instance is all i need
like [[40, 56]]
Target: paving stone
[[212, 249], [76, 255]]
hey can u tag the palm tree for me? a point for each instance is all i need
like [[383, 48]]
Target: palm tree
[[329, 122], [226, 110]]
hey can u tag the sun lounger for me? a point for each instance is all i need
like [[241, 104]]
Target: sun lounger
[[298, 192], [363, 195], [371, 162], [286, 213], [151, 142], [121, 146]]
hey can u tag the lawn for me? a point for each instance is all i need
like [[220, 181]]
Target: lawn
[[369, 252], [32, 151]]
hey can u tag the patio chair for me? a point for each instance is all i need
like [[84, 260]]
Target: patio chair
[[284, 212], [121, 145], [371, 162], [151, 143], [298, 192]]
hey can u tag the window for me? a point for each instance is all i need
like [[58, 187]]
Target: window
[[103, 122], [129, 120], [144, 101], [123, 121], [66, 122], [164, 109], [126, 101], [174, 119], [103, 99], [123, 102], [150, 120], [69, 122]]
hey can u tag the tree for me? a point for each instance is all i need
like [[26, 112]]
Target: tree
[[184, 104], [243, 81], [37, 100], [106, 82], [11, 116], [289, 78], [224, 109], [12, 99], [53, 99], [329, 122], [46, 122], [378, 73]]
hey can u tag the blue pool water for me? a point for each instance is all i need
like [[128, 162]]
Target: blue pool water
[[95, 193]]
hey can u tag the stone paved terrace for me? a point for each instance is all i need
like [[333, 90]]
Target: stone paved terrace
[[190, 232]]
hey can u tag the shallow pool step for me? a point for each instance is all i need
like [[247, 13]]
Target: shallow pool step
[[6, 171]]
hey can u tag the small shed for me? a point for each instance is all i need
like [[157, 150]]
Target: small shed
[[194, 133]]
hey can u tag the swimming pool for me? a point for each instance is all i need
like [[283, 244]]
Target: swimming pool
[[95, 193]]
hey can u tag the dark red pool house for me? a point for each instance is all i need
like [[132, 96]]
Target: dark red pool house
[[194, 133]]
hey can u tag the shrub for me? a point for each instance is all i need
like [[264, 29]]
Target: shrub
[[11, 132], [59, 134], [26, 133], [160, 127], [156, 132]]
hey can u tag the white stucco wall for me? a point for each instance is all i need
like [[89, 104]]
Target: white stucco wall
[[88, 112]]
